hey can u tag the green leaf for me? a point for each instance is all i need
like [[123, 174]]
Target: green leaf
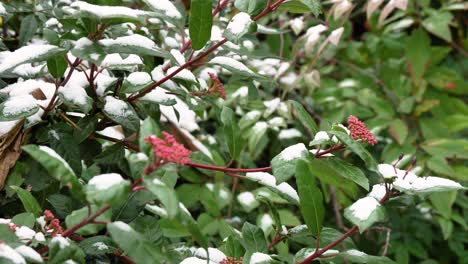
[[165, 194], [284, 164], [27, 29], [304, 117], [356, 256], [9, 110], [57, 66], [438, 24], [253, 238], [443, 202], [447, 227], [133, 44], [98, 245], [24, 219], [398, 130], [29, 202], [234, 66], [134, 244], [418, 53], [107, 188], [148, 128], [364, 213], [253, 7], [122, 113], [357, 148], [310, 198], [233, 247], [231, 132], [200, 23], [56, 166], [301, 6]]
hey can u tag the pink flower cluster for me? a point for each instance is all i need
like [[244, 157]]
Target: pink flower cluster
[[168, 149], [359, 131], [231, 260], [216, 87], [52, 224]]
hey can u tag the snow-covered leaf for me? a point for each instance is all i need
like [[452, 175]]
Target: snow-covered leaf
[[107, 188], [239, 25], [284, 164], [232, 65], [18, 107], [28, 54], [365, 212], [76, 97], [122, 113], [133, 44], [165, 194]]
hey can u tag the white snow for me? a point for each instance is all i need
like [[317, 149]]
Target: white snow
[[122, 226], [52, 22], [258, 257], [113, 132], [239, 23], [241, 92], [61, 241], [39, 237], [156, 210], [8, 253], [3, 10], [355, 252], [55, 155], [165, 7], [247, 201], [135, 40], [193, 260], [314, 151], [271, 106], [83, 43], [28, 70], [289, 133], [19, 104], [75, 94], [180, 59], [183, 74], [321, 135], [139, 78], [25, 233], [28, 86], [388, 171], [231, 63], [106, 12], [263, 178], [260, 127], [297, 25], [364, 207], [100, 246], [276, 121], [215, 254], [7, 126], [378, 191], [286, 189], [29, 254], [25, 54], [293, 152], [106, 181], [116, 107], [335, 36], [266, 222], [114, 60]]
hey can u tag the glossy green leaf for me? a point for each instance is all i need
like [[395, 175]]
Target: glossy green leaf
[[56, 166], [30, 203], [27, 29], [304, 117], [310, 197], [253, 238], [57, 66], [232, 132], [200, 23], [165, 194]]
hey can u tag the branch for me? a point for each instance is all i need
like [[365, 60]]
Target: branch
[[351, 231], [135, 97], [219, 168]]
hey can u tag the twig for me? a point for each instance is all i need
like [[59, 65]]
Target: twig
[[336, 209]]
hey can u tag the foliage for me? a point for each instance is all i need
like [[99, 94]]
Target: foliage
[[157, 131]]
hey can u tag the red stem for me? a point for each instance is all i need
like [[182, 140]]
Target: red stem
[[219, 168], [330, 150]]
